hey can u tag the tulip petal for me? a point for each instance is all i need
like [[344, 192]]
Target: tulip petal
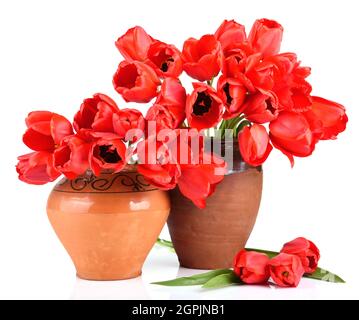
[[37, 141], [60, 128]]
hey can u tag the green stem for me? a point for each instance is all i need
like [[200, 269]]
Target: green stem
[[210, 82], [243, 124]]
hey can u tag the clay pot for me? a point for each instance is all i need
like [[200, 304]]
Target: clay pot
[[209, 238], [108, 224]]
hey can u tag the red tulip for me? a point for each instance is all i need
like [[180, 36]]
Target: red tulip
[[254, 144], [169, 108], [287, 81], [200, 171], [45, 130], [162, 176], [233, 66], [251, 267], [202, 58], [134, 44], [204, 108], [163, 118], [291, 134], [172, 94], [259, 72], [306, 250], [261, 108], [286, 270], [266, 37], [136, 81], [233, 93], [157, 165], [197, 182], [252, 71], [165, 59], [37, 168], [96, 113], [235, 61], [127, 119], [327, 118], [72, 157], [231, 35], [108, 153]]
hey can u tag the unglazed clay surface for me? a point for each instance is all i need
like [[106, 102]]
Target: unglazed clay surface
[[209, 238], [108, 224]]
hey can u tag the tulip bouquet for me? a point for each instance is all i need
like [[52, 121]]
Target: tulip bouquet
[[296, 259], [242, 84]]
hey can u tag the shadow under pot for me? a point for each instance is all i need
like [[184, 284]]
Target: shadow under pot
[[108, 224], [210, 238]]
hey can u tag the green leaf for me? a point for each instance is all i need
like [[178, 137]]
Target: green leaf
[[198, 279], [165, 243], [222, 280], [324, 275]]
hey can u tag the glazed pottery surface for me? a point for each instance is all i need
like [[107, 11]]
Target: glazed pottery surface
[[108, 224], [209, 238]]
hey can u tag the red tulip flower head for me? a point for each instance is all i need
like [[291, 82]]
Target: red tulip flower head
[[291, 134], [96, 113], [45, 130], [204, 108], [231, 35], [127, 119], [266, 37], [136, 82], [261, 108], [306, 250], [251, 267], [72, 157], [327, 118], [254, 144], [286, 270], [199, 181], [108, 153], [169, 109], [37, 168], [233, 93], [157, 165], [202, 58], [134, 44], [165, 59]]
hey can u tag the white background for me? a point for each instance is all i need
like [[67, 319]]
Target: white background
[[55, 53]]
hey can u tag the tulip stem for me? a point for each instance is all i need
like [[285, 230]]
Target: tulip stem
[[210, 82], [242, 125]]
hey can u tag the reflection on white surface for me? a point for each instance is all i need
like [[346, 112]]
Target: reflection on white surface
[[58, 281], [163, 265], [119, 290]]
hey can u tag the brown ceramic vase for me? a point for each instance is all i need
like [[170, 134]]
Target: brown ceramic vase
[[209, 238], [108, 224]]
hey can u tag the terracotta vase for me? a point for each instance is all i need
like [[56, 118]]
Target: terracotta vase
[[209, 238], [108, 224]]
